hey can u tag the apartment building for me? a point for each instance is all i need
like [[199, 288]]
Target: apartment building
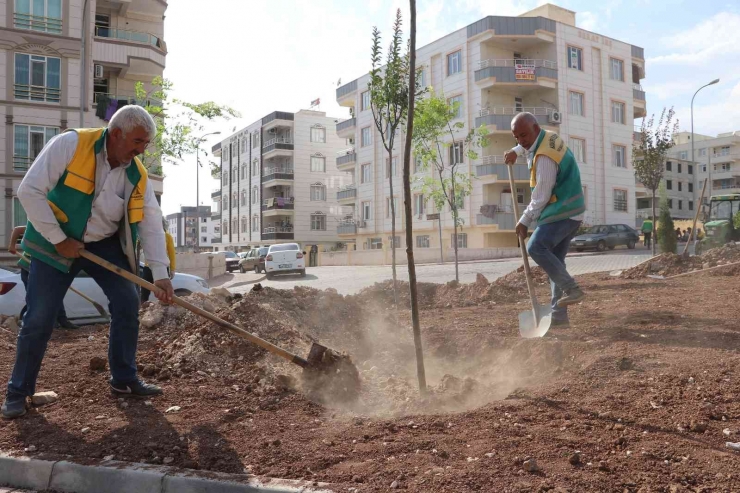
[[681, 190], [278, 182], [190, 228], [40, 54], [583, 85], [717, 160]]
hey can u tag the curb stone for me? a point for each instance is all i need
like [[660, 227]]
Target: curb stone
[[124, 477]]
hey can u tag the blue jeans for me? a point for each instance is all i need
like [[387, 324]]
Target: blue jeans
[[45, 295], [62, 315], [548, 246]]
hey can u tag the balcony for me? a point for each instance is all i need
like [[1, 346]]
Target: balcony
[[503, 217], [520, 72], [37, 23], [277, 119], [277, 144], [347, 227], [276, 175], [346, 159], [638, 96], [216, 193], [278, 233], [637, 133], [128, 96], [278, 206], [137, 52], [494, 167], [498, 118], [725, 157], [346, 94], [346, 129], [347, 194], [37, 93], [510, 30]]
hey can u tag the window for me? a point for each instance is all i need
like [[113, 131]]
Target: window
[[680, 205], [396, 209], [617, 69], [37, 78], [457, 153], [224, 178], [318, 134], [691, 205], [669, 184], [366, 138], [255, 139], [203, 229], [722, 151], [244, 224], [318, 222], [391, 168], [456, 103], [245, 170], [690, 169], [19, 213], [255, 195], [375, 243], [576, 103], [244, 197], [702, 152], [454, 63], [419, 204], [575, 58], [422, 241], [38, 15], [28, 142], [255, 223], [683, 155], [462, 240], [234, 226], [318, 164], [578, 147], [418, 164], [722, 167], [366, 208], [703, 168], [318, 192], [255, 168], [365, 101], [670, 203], [225, 204], [243, 145], [668, 166], [396, 241], [680, 186], [619, 156], [679, 167], [234, 200], [518, 105], [617, 112], [421, 77], [691, 187], [620, 200], [226, 227], [365, 173]]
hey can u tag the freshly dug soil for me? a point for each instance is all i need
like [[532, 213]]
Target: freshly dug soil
[[671, 264], [643, 386]]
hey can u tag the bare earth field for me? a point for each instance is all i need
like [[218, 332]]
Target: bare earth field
[[639, 395]]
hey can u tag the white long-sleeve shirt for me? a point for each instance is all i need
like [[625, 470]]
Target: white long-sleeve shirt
[[546, 175], [108, 207]]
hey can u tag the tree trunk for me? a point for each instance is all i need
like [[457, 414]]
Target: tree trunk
[[655, 234], [454, 221], [393, 226], [441, 247], [420, 373]]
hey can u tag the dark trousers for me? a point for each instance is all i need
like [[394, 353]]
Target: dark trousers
[[44, 297], [61, 316], [647, 238]]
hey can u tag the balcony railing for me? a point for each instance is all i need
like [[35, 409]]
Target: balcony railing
[[275, 203], [37, 93], [277, 173], [278, 233], [129, 97], [22, 163], [37, 23], [126, 35], [346, 124], [347, 228], [278, 143], [346, 157], [525, 62], [498, 159], [637, 92], [501, 116], [502, 171], [347, 89], [348, 192], [502, 217]]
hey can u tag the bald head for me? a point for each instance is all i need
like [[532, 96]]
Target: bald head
[[525, 128]]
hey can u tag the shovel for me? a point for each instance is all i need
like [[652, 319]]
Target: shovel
[[534, 322], [327, 374]]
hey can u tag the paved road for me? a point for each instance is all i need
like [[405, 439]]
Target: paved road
[[350, 280]]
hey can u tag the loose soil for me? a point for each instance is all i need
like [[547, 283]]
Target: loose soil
[[644, 385], [670, 264]]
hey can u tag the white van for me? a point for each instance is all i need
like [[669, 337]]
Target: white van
[[285, 258]]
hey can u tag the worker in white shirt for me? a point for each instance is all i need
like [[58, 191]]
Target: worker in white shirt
[[557, 207], [87, 190]]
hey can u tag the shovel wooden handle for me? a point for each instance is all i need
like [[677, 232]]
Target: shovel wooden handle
[[523, 247], [198, 311]]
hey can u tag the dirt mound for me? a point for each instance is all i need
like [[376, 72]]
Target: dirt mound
[[671, 264]]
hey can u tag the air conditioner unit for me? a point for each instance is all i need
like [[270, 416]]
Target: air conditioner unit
[[98, 71], [272, 131], [351, 140], [555, 117]]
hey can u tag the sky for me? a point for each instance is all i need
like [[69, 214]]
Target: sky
[[259, 57]]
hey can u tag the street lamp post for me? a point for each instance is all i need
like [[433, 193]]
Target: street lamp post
[[709, 170], [199, 140]]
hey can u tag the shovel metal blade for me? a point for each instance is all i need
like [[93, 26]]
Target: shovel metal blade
[[530, 328], [656, 276]]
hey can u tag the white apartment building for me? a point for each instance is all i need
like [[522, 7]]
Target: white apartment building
[[40, 47], [278, 182], [717, 159], [583, 85], [190, 228], [681, 190]]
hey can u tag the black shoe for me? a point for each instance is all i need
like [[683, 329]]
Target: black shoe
[[574, 296], [137, 387], [564, 324], [64, 323], [14, 407]]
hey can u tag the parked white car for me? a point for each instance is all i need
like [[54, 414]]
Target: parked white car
[[13, 294], [285, 258]]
